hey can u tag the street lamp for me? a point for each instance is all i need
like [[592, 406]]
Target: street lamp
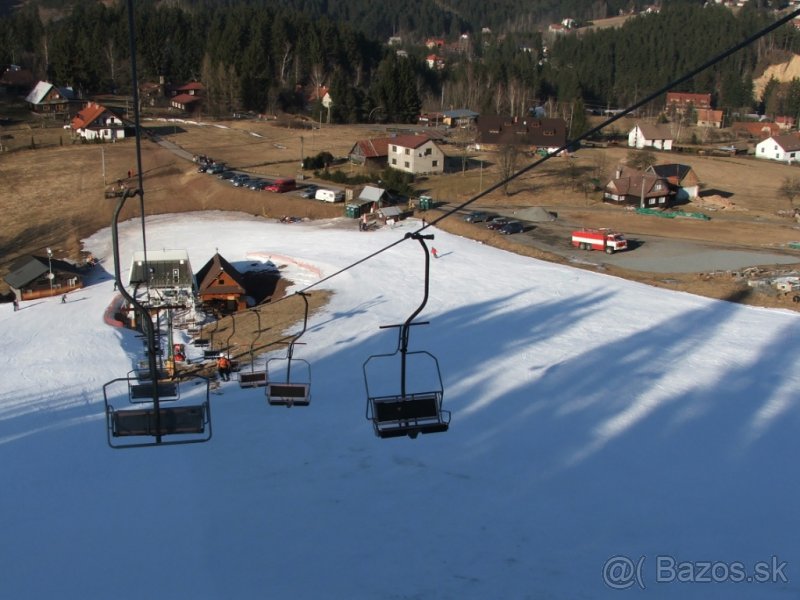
[[50, 269]]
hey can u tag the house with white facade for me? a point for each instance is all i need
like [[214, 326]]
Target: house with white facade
[[783, 148], [415, 154], [95, 122], [649, 136]]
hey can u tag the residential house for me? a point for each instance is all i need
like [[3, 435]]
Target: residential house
[[32, 277], [460, 117], [528, 133], [759, 130], [786, 123], [680, 102], [95, 122], [164, 279], [635, 188], [221, 286], [188, 97], [415, 154], [47, 98], [371, 153], [16, 80], [682, 180], [783, 148], [434, 61], [649, 136], [707, 117], [432, 43]]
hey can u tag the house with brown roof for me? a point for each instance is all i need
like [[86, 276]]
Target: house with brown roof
[[707, 117], [221, 286], [415, 154], [528, 133], [95, 122], [16, 80], [759, 130], [786, 123], [32, 277], [47, 98], [680, 102], [783, 148], [635, 188], [682, 180], [187, 97], [644, 135]]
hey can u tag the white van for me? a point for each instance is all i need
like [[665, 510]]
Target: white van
[[329, 196]]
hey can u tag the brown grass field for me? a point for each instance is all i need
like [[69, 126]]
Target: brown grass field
[[52, 190]]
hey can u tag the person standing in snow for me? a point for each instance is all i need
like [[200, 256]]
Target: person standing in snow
[[16, 305], [435, 253]]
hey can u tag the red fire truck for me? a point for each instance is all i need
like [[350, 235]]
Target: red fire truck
[[599, 239]]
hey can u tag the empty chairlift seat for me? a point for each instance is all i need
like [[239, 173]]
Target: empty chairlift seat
[[396, 416]]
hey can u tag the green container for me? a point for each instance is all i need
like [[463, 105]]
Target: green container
[[425, 203]]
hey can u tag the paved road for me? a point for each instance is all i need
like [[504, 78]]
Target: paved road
[[651, 253]]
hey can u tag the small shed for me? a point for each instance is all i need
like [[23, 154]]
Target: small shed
[[377, 196]]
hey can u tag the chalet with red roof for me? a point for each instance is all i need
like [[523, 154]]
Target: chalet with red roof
[[759, 130], [187, 98], [372, 153], [707, 117], [95, 122]]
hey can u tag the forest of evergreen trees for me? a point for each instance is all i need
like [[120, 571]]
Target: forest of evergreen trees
[[262, 56]]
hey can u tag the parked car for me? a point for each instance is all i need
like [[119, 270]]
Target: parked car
[[240, 180], [497, 223], [309, 191], [257, 184], [478, 216], [511, 227], [225, 175], [216, 169]]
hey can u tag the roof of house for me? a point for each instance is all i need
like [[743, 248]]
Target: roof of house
[[758, 129], [208, 274], [29, 268], [637, 183], [653, 132], [543, 132], [409, 141], [188, 87], [461, 113], [185, 99], [16, 76], [390, 211], [708, 114], [673, 172], [88, 115], [686, 98], [788, 142], [370, 193], [372, 148]]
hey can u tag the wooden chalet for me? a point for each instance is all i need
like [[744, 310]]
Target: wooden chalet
[[635, 188], [187, 98], [682, 179], [530, 133], [34, 277], [221, 287], [47, 98]]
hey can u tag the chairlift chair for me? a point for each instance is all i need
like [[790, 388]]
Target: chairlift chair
[[140, 386], [293, 390], [142, 423], [254, 378], [415, 412]]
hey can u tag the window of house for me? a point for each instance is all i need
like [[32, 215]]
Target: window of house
[[221, 280], [394, 161], [651, 201], [428, 151], [408, 151], [407, 164], [394, 148], [435, 163], [176, 275], [549, 132]]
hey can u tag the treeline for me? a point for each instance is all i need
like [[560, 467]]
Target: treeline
[[266, 56]]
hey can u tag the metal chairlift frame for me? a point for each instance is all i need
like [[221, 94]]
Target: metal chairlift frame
[[234, 363], [254, 378], [408, 414], [290, 393]]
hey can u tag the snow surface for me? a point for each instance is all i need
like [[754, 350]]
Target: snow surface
[[592, 417]]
